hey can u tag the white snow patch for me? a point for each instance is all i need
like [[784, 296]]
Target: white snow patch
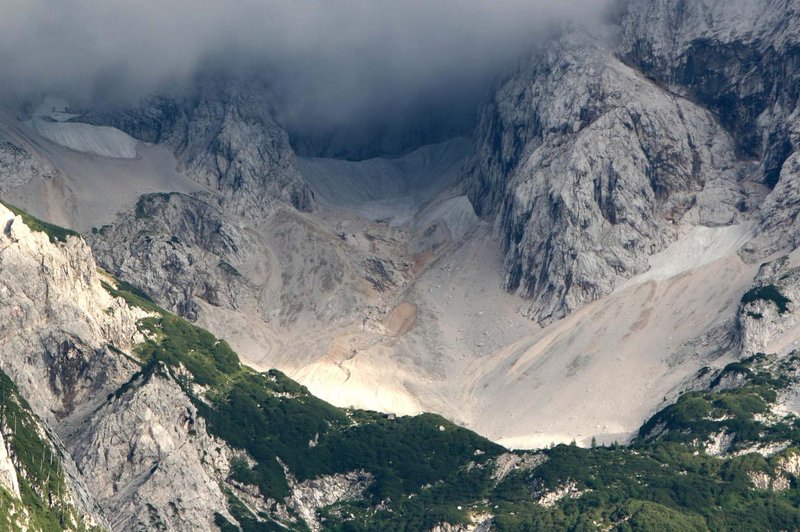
[[457, 213], [83, 191], [698, 247], [103, 141]]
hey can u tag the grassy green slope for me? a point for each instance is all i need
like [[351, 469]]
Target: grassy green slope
[[665, 481], [43, 489]]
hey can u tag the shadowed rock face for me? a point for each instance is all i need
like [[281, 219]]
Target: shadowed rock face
[[361, 142], [224, 134], [593, 155], [739, 58]]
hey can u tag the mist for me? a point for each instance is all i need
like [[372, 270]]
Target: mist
[[330, 63]]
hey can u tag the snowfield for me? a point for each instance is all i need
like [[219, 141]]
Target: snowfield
[[94, 171], [697, 247], [102, 141]]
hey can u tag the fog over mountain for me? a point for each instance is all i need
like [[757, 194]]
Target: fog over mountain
[[331, 64]]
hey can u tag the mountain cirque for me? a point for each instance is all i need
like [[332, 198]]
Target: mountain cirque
[[571, 253], [609, 258]]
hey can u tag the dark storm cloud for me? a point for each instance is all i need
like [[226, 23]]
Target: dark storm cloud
[[329, 61]]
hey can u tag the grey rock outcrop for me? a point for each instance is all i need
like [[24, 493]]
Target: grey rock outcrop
[[481, 523], [179, 248], [22, 479], [588, 167], [8, 473], [62, 339], [188, 250], [312, 495], [59, 337], [778, 227], [768, 310], [17, 166], [151, 461], [590, 155], [58, 321]]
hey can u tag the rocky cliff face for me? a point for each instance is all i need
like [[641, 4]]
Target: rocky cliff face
[[740, 59], [180, 248], [589, 168], [778, 228], [39, 484], [151, 461], [596, 152], [60, 326], [225, 136], [8, 473]]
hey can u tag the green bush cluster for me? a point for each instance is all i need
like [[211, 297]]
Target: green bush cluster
[[313, 438], [768, 293], [175, 341], [132, 296], [699, 415], [661, 481], [427, 475]]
